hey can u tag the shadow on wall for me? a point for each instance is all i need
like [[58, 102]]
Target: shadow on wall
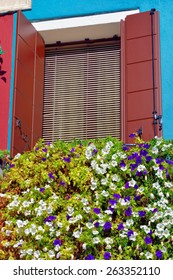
[[2, 72]]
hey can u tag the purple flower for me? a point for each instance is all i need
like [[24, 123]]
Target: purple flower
[[125, 148], [169, 161], [132, 156], [128, 211], [148, 159], [11, 165], [62, 183], [43, 159], [155, 210], [89, 257], [159, 254], [49, 219], [112, 201], [135, 186], [96, 224], [148, 240], [44, 150], [143, 153], [120, 226], [68, 217], [132, 135], [137, 197], [67, 159], [57, 242], [122, 164], [107, 255], [133, 166], [141, 213], [161, 167], [42, 190], [96, 210], [127, 198], [146, 146], [72, 150], [127, 185], [139, 173], [95, 151], [117, 195], [107, 226], [129, 233], [138, 160], [51, 176], [159, 160]]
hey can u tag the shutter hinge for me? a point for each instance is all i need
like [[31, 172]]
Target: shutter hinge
[[157, 120]]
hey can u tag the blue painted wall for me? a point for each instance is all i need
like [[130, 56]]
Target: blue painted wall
[[43, 9]]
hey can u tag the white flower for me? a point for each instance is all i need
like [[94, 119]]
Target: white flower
[[132, 183], [108, 247], [141, 168], [89, 225], [77, 233], [96, 240], [59, 224], [49, 209], [114, 163], [112, 186], [152, 196], [29, 251], [26, 204], [8, 232], [38, 237], [84, 201], [17, 156], [87, 209], [84, 246], [155, 150], [51, 254], [159, 173], [108, 240], [129, 222], [70, 211], [104, 181], [148, 255], [105, 193], [58, 255], [168, 184], [27, 212], [19, 223], [95, 232], [124, 168], [27, 231]]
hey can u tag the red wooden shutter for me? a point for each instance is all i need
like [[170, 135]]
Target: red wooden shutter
[[137, 104], [28, 90]]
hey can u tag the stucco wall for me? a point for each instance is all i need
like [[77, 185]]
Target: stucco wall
[[6, 23], [43, 9]]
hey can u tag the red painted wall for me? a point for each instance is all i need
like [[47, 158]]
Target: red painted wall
[[6, 32]]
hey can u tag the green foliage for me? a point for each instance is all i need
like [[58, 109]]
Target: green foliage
[[89, 199]]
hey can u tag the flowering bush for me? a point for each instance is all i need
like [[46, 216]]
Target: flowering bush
[[91, 200]]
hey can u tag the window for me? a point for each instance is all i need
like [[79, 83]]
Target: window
[[137, 101]]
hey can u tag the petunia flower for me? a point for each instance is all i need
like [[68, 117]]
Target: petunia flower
[[57, 242], [129, 233], [49, 219], [42, 190], [148, 240], [142, 213], [89, 257], [120, 226], [67, 159], [128, 211], [107, 226], [132, 135], [51, 176], [159, 254], [107, 255], [96, 210]]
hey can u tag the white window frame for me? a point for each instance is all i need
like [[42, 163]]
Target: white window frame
[[14, 5]]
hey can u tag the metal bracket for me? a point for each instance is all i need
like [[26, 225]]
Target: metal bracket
[[25, 138], [139, 132]]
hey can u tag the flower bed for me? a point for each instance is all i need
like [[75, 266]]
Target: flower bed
[[89, 200]]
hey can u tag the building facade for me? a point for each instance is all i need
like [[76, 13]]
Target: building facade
[[85, 69]]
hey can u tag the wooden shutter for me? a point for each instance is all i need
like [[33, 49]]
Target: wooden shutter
[[82, 92], [28, 90], [137, 77]]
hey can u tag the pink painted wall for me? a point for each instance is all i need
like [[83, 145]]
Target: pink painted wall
[[6, 32]]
